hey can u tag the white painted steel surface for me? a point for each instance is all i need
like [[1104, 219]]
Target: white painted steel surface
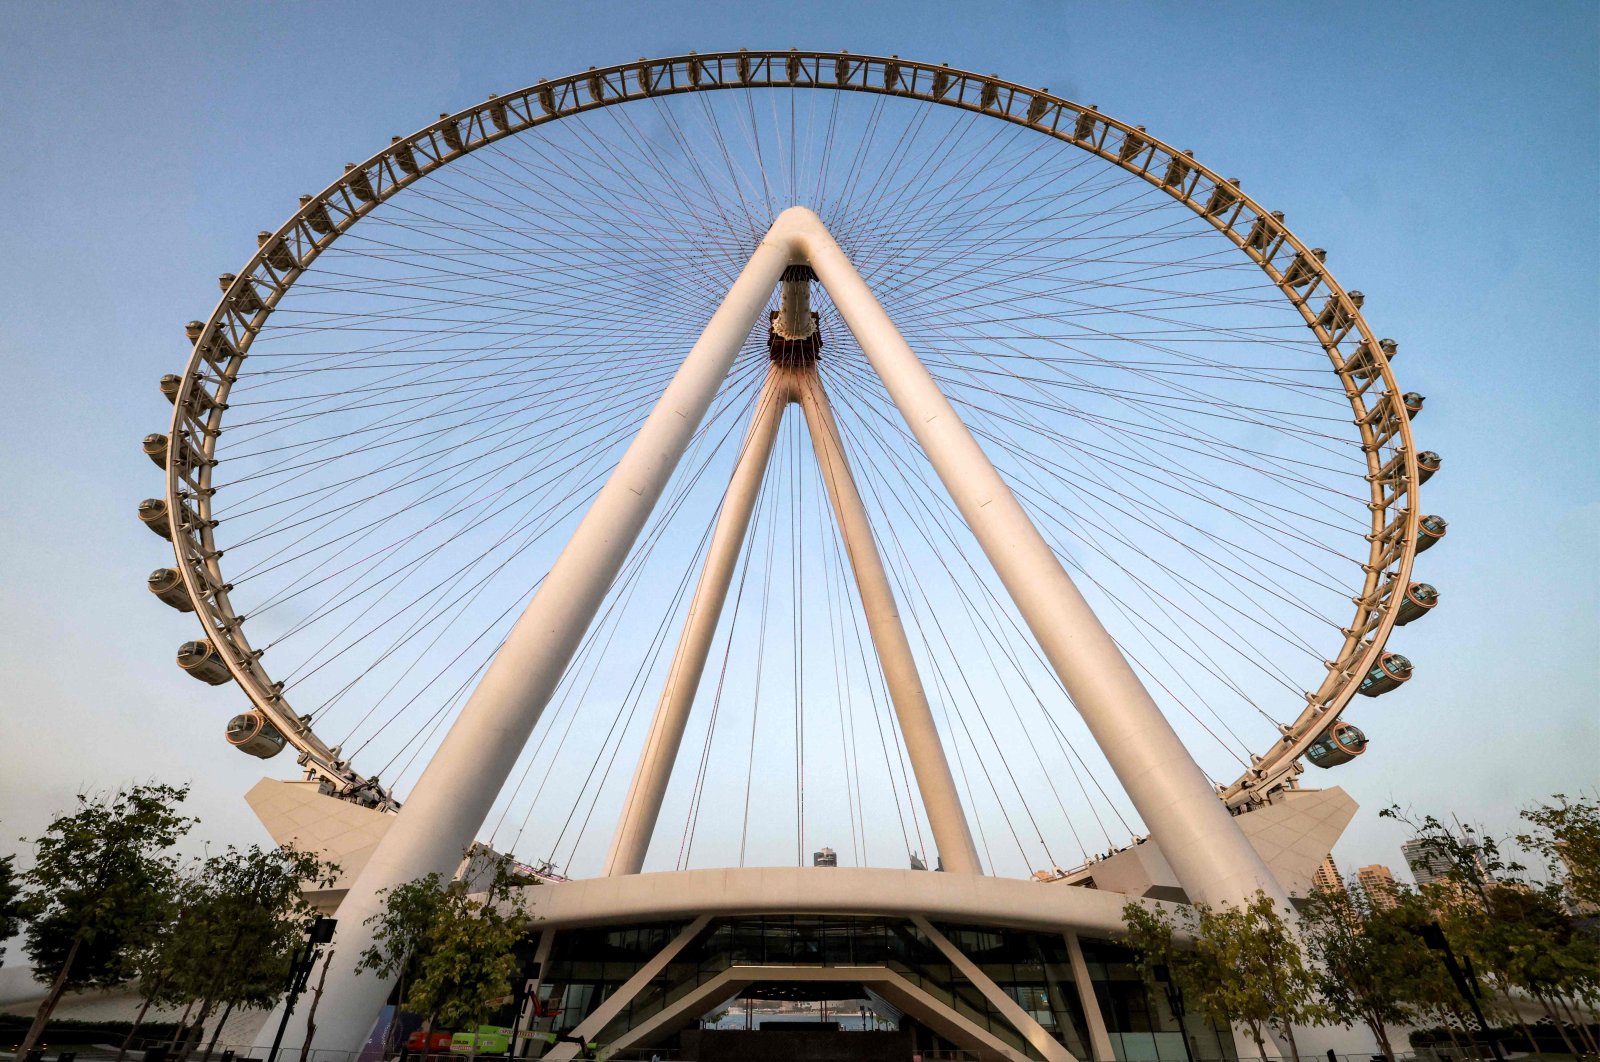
[[1207, 851], [455, 792], [937, 785], [650, 777], [976, 899]]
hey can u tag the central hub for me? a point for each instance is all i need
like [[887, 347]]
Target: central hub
[[793, 337]]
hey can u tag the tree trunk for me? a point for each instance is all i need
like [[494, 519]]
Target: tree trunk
[[1381, 1034], [1261, 1046], [183, 1025], [200, 1025], [1288, 1034], [1559, 1024], [47, 1005], [212, 1045], [1585, 1033], [138, 1020], [1533, 1045], [311, 1010]]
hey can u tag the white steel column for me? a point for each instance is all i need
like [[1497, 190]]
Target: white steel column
[[1210, 855], [650, 777], [938, 787], [454, 794], [1100, 1048]]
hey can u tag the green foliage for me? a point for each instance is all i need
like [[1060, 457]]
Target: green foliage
[[99, 888], [1154, 937], [242, 914], [1267, 982], [11, 903], [1518, 934], [452, 949], [101, 878], [1567, 834], [1369, 964], [1241, 964]]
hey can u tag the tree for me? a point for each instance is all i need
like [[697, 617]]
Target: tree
[[1567, 834], [1244, 964], [1153, 937], [98, 887], [451, 949], [1368, 965], [1518, 933], [242, 916], [11, 903], [1267, 983], [151, 964]]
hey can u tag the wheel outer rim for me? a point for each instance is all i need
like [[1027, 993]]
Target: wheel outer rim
[[1392, 538]]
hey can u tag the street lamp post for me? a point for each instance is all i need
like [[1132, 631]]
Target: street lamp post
[[1433, 936], [305, 959]]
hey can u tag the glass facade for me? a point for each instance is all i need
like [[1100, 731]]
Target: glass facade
[[586, 966]]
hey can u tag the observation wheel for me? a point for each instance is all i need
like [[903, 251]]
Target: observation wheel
[[404, 402]]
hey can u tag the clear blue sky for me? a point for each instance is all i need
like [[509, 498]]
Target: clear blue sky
[[1445, 154]]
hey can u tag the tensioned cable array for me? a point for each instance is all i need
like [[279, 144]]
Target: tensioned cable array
[[425, 416]]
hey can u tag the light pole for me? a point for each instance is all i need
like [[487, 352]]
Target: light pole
[[1433, 936], [320, 933]]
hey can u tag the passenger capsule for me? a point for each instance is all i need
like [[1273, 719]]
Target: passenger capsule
[[251, 732], [200, 659], [1418, 599], [1412, 403], [167, 584], [1301, 271], [194, 330], [317, 215], [1339, 744], [1431, 530], [278, 255], [359, 184], [1083, 128], [156, 446], [1388, 673], [1178, 170], [153, 514], [1223, 196], [1428, 463], [1132, 145]]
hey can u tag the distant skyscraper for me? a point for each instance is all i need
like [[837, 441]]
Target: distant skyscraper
[[1326, 877], [1377, 882], [825, 858], [1429, 864]]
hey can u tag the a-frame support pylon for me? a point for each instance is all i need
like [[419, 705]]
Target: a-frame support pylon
[[1208, 853], [798, 384]]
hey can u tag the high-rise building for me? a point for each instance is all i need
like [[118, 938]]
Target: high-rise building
[[825, 858], [1377, 883], [1327, 878], [1430, 864]]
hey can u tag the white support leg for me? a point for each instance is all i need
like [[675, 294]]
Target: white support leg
[[934, 781], [1099, 1038], [454, 794], [1210, 855], [643, 806]]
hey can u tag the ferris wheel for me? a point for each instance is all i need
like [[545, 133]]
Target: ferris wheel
[[407, 399]]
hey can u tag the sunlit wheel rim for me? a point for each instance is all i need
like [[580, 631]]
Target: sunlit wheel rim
[[1334, 318]]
